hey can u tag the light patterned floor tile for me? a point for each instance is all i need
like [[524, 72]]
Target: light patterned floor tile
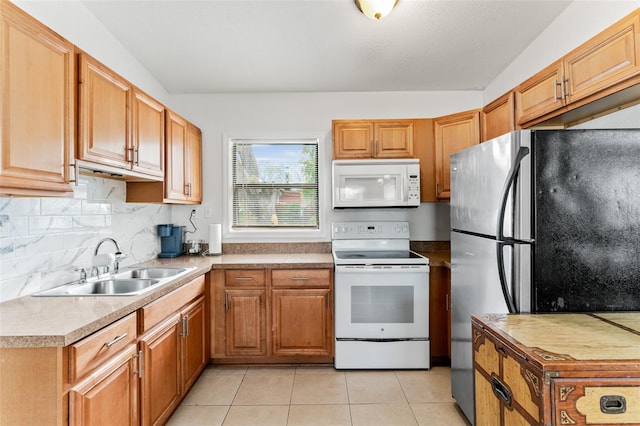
[[312, 369], [271, 371], [374, 387], [319, 415], [319, 389], [382, 415], [225, 369], [266, 415], [439, 414], [426, 386], [265, 390], [201, 415], [213, 389]]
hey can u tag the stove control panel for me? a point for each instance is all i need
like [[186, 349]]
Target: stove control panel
[[364, 230]]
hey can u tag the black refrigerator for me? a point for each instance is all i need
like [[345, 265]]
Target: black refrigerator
[[542, 221]]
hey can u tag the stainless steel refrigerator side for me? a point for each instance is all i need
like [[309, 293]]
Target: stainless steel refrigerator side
[[478, 178], [478, 174], [475, 289]]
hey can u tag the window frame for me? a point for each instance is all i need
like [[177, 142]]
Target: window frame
[[276, 234]]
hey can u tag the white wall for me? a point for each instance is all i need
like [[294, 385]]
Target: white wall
[[580, 21], [302, 114]]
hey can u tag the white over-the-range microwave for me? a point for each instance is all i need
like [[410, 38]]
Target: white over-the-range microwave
[[376, 183]]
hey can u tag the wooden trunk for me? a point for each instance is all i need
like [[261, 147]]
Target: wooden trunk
[[557, 369]]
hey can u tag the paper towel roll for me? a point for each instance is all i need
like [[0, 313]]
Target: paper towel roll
[[215, 238]]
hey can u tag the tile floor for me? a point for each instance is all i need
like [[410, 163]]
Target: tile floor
[[308, 396]]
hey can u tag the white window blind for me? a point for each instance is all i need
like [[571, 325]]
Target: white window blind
[[275, 183]]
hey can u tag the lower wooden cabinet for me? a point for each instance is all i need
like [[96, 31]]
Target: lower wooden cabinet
[[246, 322], [132, 371], [273, 315], [557, 369], [301, 321], [440, 315], [108, 396], [173, 355], [160, 388]]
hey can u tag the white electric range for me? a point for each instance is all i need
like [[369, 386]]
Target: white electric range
[[381, 297]]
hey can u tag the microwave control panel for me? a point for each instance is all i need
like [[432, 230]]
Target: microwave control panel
[[413, 185]]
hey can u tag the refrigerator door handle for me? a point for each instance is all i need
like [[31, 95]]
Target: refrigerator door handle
[[508, 297], [511, 178]]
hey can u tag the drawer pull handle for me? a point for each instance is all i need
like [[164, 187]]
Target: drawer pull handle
[[299, 278], [115, 340], [613, 404], [501, 391], [244, 278]]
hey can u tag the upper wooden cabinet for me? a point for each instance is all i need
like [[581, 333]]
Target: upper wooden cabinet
[[183, 167], [452, 133], [148, 134], [607, 63], [119, 126], [498, 117], [37, 129], [372, 139], [183, 181]]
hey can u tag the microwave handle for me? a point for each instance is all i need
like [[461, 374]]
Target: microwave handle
[[404, 196]]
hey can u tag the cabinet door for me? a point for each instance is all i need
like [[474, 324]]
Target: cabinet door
[[393, 139], [37, 116], [193, 343], [161, 381], [194, 164], [540, 94], [104, 115], [109, 396], [439, 314], [147, 153], [453, 133], [607, 59], [301, 321], [176, 166], [352, 139], [245, 322], [498, 117]]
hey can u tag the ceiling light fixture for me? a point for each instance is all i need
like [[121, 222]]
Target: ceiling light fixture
[[376, 9]]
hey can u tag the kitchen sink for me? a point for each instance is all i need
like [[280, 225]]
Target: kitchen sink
[[129, 282], [151, 273]]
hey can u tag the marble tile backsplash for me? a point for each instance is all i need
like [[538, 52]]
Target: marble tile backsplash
[[44, 241]]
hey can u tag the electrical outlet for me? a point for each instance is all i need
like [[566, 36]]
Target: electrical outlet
[[194, 214], [208, 211]]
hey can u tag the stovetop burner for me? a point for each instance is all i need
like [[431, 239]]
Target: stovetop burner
[[377, 254]]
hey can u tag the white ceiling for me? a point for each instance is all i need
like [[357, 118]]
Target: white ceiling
[[217, 46]]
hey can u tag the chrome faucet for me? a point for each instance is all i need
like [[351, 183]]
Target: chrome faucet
[[107, 260]]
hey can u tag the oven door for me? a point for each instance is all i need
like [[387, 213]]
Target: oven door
[[384, 302]]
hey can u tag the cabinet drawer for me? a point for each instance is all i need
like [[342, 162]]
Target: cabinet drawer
[[301, 278], [244, 277], [596, 401], [93, 350], [156, 311]]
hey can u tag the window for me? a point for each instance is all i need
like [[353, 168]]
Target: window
[[274, 184]]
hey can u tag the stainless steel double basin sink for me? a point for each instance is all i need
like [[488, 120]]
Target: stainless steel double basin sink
[[128, 282]]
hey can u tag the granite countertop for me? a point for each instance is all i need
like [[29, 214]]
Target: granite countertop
[[59, 321]]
